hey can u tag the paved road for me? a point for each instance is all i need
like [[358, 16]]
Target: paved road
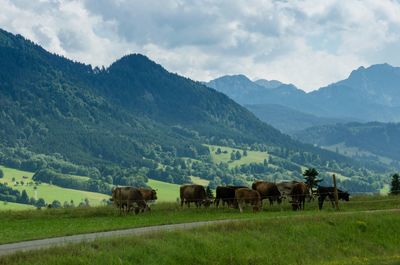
[[8, 249]]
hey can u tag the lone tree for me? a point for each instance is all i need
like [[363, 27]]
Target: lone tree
[[310, 175], [40, 203], [24, 197], [1, 174], [209, 192], [395, 188], [238, 155]]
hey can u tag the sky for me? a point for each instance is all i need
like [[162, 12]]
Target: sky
[[309, 43]]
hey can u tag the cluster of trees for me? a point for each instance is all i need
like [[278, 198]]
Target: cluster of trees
[[236, 155], [10, 195], [68, 181], [22, 158]]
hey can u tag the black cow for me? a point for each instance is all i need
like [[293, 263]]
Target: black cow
[[329, 192], [226, 194]]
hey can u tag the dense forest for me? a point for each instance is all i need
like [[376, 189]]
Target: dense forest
[[134, 120]]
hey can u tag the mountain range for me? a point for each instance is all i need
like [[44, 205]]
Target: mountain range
[[368, 94]]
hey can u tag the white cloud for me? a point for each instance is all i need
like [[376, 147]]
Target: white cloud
[[310, 43]]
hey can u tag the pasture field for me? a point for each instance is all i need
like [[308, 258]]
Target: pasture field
[[49, 192], [199, 181], [5, 206], [359, 238], [252, 156], [36, 224], [166, 192]]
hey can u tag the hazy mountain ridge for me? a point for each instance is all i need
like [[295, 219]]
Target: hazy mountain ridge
[[368, 94], [289, 120]]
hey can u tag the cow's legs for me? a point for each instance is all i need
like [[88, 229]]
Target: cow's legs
[[216, 202], [240, 204], [321, 199], [332, 199]]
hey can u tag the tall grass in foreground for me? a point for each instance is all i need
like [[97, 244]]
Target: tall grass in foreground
[[36, 224], [329, 239]]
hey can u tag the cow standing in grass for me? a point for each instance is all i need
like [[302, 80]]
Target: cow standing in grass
[[128, 198], [299, 193], [226, 194], [248, 196], [194, 193], [268, 191], [329, 192]]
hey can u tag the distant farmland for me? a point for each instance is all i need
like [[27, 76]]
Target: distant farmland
[[166, 192], [46, 191]]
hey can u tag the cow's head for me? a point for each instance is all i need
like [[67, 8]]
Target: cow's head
[[153, 194], [114, 195], [256, 208], [344, 196], [207, 203], [295, 205]]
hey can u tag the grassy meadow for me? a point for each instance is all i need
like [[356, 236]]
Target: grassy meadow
[[252, 156], [6, 206], [166, 192], [35, 224], [46, 191], [199, 181], [359, 238]]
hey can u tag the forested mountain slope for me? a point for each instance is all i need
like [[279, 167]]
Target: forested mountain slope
[[377, 138]]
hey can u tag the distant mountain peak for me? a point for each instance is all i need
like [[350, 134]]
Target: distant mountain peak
[[268, 83], [235, 77]]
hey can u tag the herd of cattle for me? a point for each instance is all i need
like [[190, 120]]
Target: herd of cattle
[[136, 199]]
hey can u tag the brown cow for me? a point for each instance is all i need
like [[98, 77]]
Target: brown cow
[[299, 193], [125, 198], [149, 195], [245, 196], [268, 191], [194, 193]]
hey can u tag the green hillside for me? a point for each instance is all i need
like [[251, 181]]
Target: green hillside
[[166, 192], [225, 156], [46, 191], [5, 206]]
